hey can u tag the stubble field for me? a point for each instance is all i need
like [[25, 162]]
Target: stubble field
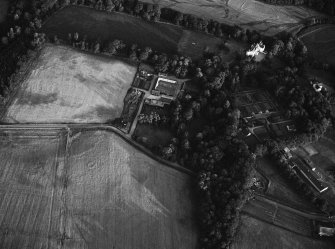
[[91, 190], [29, 191], [252, 14], [67, 86]]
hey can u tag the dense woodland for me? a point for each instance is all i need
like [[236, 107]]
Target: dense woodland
[[222, 161]]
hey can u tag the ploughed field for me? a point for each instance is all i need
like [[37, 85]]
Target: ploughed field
[[251, 14], [89, 190], [68, 86], [105, 26]]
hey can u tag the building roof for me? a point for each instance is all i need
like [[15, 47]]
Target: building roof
[[306, 174], [167, 87]]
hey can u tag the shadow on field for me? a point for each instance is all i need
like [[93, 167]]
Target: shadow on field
[[34, 99], [100, 111]]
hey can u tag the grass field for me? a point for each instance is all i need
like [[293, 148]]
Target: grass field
[[3, 9], [320, 41], [104, 26], [93, 190], [69, 86], [251, 14], [278, 215], [256, 234], [101, 25]]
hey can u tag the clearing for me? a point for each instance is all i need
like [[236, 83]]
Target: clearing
[[251, 14], [256, 234], [92, 190], [69, 86], [320, 42]]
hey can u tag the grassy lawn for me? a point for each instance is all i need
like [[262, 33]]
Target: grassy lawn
[[194, 44], [152, 135], [262, 133], [280, 188]]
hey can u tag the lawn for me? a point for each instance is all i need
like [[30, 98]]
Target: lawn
[[320, 41], [251, 14], [68, 86], [91, 191], [256, 234], [153, 136], [280, 188], [194, 44]]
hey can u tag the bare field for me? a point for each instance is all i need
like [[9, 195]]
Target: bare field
[[119, 198], [67, 86], [252, 14], [92, 190], [29, 191], [320, 41], [256, 234]]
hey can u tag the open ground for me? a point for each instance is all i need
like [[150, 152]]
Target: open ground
[[320, 41], [89, 190], [69, 86], [251, 14]]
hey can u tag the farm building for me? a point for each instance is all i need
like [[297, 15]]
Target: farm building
[[167, 87], [326, 231], [256, 49], [164, 92], [307, 175]]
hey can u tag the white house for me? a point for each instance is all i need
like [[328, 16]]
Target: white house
[[256, 49]]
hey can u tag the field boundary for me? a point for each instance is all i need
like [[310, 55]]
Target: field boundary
[[97, 127]]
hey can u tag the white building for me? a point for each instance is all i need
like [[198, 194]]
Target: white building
[[256, 49]]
